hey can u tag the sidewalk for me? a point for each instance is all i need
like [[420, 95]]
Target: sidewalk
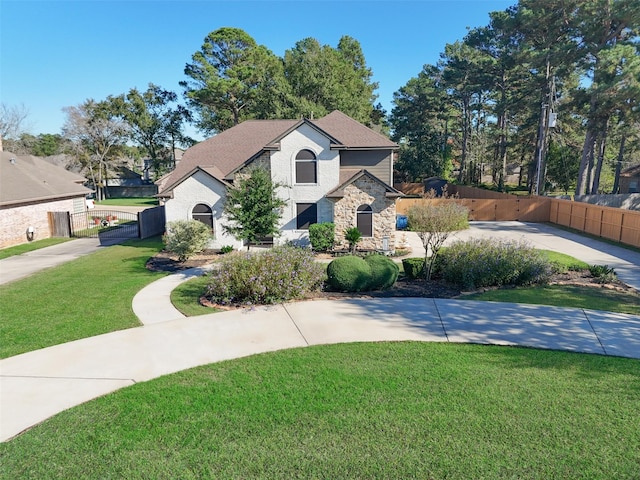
[[21, 266], [39, 384]]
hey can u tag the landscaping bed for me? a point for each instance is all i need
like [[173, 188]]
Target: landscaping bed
[[404, 287]]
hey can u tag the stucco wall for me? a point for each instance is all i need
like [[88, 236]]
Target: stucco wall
[[283, 171], [14, 221], [201, 188]]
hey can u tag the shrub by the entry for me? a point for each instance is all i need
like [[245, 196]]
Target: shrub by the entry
[[384, 272], [413, 267], [186, 238], [349, 274], [322, 236], [487, 262], [278, 275]]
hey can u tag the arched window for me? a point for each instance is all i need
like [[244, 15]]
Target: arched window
[[306, 171], [204, 214], [364, 219]]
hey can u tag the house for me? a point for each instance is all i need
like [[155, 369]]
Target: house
[[29, 188], [125, 182], [630, 180], [335, 170]]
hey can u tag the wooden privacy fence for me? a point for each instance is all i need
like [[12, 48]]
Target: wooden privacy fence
[[494, 210], [614, 224], [611, 223]]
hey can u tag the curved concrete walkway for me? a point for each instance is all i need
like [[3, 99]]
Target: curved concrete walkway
[[39, 384]]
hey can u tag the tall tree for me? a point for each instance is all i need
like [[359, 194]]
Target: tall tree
[[96, 133], [609, 34], [420, 122], [13, 123], [156, 123], [463, 76], [230, 78], [323, 79], [253, 207], [548, 38]]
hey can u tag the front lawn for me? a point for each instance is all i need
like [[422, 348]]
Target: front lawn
[[186, 297], [31, 246], [129, 201], [82, 298], [377, 410], [590, 298]]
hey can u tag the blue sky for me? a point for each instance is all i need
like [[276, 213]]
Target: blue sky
[[55, 54]]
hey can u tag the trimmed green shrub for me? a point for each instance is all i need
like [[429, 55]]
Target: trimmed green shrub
[[384, 272], [185, 238], [226, 249], [488, 262], [413, 267], [349, 274], [322, 236], [277, 275]]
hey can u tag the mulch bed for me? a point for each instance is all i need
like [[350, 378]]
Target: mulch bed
[[436, 288]]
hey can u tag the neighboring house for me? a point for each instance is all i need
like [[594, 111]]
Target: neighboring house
[[29, 188], [335, 169], [124, 182], [630, 180]]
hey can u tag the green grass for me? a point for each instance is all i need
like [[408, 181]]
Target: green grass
[[85, 297], [591, 298], [186, 297], [31, 246], [129, 201], [381, 410], [565, 262]]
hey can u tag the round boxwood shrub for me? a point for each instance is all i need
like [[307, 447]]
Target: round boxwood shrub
[[349, 274], [384, 272], [413, 267]]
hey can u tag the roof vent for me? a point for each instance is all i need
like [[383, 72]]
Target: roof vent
[[12, 161]]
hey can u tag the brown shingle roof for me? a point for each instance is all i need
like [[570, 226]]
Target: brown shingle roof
[[231, 149], [351, 133], [31, 179], [631, 171]]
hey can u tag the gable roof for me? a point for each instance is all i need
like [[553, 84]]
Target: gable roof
[[167, 192], [632, 171], [232, 149], [352, 134], [25, 178], [349, 176]]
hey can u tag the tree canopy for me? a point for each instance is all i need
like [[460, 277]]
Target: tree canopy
[[549, 87], [232, 79]]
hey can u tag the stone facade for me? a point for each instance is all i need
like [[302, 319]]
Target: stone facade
[[366, 191]]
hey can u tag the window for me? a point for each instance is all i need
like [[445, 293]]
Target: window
[[204, 214], [307, 213], [306, 167], [364, 219]]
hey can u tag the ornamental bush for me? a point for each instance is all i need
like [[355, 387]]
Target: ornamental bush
[[322, 236], [491, 262], [277, 275], [186, 238], [413, 267], [349, 274], [384, 272]]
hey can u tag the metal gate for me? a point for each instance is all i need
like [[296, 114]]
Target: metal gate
[[104, 224]]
